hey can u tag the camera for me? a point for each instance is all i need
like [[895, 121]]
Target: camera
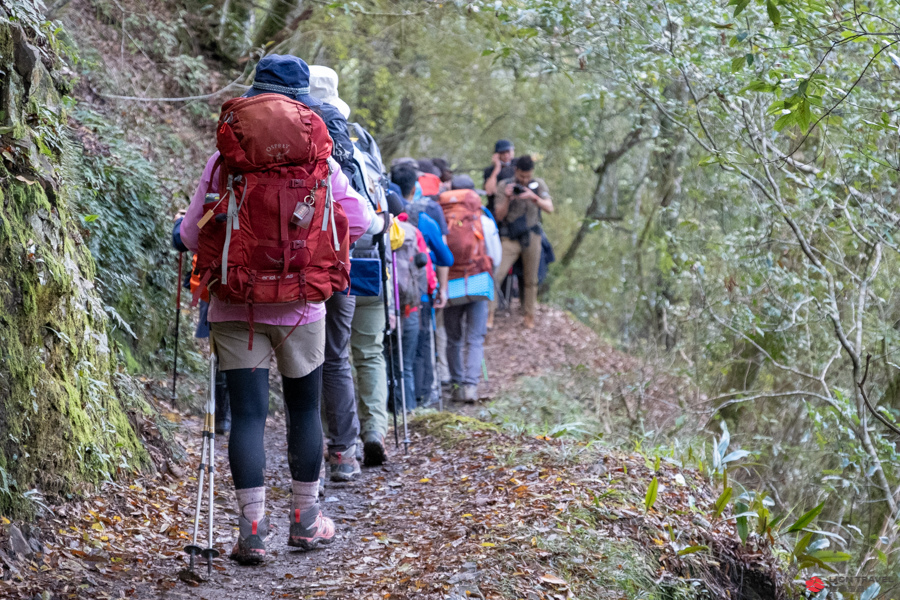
[[519, 189]]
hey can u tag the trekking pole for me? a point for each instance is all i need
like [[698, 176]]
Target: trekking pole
[[388, 334], [209, 553], [177, 323], [209, 433], [435, 381], [193, 549], [400, 354]]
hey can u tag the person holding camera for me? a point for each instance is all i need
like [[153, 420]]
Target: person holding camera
[[502, 167], [518, 206]]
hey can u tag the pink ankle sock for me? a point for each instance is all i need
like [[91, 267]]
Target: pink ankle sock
[[252, 503], [305, 495]]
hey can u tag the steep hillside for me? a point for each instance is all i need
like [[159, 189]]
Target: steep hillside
[[67, 412]]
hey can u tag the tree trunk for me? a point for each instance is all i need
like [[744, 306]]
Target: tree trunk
[[65, 407], [592, 214], [275, 20]]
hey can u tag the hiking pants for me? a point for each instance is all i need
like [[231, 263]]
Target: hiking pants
[[440, 341], [531, 262], [424, 367], [367, 346], [410, 326], [338, 395], [466, 327], [248, 390]]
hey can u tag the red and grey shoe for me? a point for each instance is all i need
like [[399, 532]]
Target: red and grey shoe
[[310, 529], [344, 466], [250, 548]]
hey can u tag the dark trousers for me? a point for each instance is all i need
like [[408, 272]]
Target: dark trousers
[[424, 366], [410, 332], [338, 395]]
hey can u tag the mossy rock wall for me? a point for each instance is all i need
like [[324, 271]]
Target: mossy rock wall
[[64, 408]]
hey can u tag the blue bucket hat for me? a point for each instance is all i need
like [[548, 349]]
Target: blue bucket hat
[[283, 74]]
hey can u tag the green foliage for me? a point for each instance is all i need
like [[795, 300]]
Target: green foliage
[[122, 201], [650, 497], [65, 409]]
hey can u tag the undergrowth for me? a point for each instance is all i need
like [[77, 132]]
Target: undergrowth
[[122, 206]]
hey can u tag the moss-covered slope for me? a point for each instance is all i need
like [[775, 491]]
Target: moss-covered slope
[[64, 408]]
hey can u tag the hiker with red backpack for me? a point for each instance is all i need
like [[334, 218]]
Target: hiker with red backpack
[[416, 278], [473, 238], [419, 212], [272, 221]]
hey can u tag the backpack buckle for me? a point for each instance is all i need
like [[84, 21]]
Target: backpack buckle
[[298, 244], [299, 183]]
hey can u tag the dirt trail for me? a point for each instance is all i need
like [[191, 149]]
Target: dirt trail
[[404, 528], [286, 571]]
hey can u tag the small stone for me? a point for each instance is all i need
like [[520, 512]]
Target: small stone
[[26, 57], [17, 542]]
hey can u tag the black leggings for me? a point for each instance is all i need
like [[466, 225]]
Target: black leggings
[[249, 391]]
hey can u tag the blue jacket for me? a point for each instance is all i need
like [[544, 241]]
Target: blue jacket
[[342, 151], [440, 253]]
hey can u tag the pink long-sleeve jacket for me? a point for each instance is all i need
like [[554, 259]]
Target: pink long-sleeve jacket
[[290, 314]]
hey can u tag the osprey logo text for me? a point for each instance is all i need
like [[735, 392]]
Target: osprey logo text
[[278, 151]]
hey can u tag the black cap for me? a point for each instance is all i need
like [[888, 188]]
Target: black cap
[[395, 203], [426, 165], [503, 146]]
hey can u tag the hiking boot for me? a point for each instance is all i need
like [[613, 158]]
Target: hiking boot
[[250, 548], [373, 449], [457, 393], [344, 466], [470, 393], [529, 322], [310, 529]]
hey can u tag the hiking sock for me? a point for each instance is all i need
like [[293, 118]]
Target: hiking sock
[[252, 503], [304, 425], [305, 495]]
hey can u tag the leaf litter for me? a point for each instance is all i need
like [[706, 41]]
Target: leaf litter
[[470, 512]]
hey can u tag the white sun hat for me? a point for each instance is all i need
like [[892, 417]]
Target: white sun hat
[[323, 85]]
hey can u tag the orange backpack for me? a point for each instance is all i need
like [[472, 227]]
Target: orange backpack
[[465, 236]]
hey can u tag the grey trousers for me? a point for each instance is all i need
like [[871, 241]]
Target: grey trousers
[[338, 395], [440, 340], [466, 327]]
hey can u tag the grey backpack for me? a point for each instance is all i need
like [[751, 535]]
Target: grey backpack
[[411, 273]]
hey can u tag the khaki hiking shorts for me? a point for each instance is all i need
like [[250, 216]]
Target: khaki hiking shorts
[[298, 354]]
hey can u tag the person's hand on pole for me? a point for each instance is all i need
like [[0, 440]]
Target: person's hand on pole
[[443, 295]]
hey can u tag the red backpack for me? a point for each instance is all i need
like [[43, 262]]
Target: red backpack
[[274, 234], [465, 236]]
